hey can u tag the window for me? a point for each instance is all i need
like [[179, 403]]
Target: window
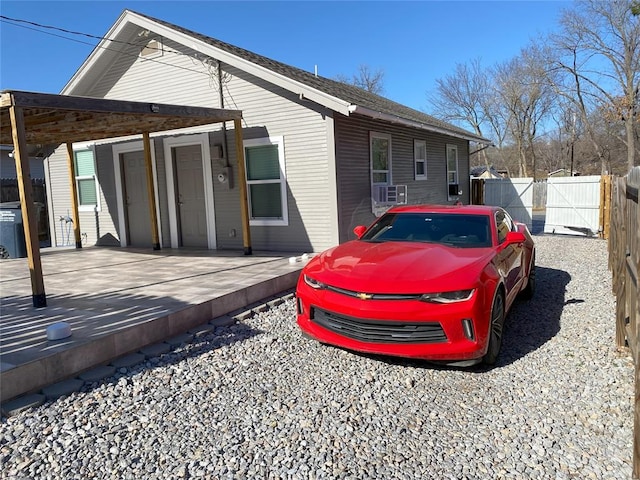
[[452, 170], [86, 179], [380, 157], [420, 159], [266, 182]]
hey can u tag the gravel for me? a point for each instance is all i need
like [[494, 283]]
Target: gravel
[[257, 400]]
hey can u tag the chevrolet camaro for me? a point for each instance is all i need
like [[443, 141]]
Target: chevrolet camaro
[[431, 282]]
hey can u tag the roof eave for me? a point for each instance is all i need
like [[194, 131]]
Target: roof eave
[[101, 51], [411, 123], [300, 89]]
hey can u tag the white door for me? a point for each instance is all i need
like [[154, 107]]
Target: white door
[[190, 196]]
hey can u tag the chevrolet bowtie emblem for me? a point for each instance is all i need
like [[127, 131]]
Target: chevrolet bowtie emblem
[[364, 296]]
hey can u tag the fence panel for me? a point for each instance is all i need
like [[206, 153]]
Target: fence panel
[[573, 205], [624, 263], [515, 195]]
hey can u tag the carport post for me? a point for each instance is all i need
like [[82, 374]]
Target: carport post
[[21, 157], [75, 216], [155, 237], [244, 207]]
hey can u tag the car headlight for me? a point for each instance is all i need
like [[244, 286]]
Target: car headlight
[[313, 283], [448, 297]]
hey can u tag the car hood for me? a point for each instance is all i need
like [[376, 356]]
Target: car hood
[[399, 267]]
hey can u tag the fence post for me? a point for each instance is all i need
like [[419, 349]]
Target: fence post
[[605, 205]]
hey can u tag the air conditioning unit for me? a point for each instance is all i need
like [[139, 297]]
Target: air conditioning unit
[[390, 194], [454, 190], [384, 197]]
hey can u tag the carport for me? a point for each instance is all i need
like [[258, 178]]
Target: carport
[[49, 120]]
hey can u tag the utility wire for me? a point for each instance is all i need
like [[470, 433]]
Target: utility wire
[[32, 26], [51, 27]]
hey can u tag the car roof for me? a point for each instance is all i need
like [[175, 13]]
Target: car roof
[[456, 209]]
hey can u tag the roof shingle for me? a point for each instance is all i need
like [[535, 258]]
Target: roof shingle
[[348, 93]]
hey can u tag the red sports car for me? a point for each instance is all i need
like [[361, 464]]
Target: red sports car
[[431, 282]]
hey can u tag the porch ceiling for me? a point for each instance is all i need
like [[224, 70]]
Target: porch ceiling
[[51, 119]]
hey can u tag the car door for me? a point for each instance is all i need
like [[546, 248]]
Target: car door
[[510, 256]]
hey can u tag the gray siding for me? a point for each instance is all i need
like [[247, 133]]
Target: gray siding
[[352, 158], [268, 110], [95, 227]]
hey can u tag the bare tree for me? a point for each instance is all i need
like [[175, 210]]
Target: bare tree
[[462, 97], [600, 54], [366, 79], [574, 92], [525, 94]]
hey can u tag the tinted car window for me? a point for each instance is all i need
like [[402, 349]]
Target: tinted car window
[[457, 230]]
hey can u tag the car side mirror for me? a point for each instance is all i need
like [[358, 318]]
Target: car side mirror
[[359, 230], [515, 237]]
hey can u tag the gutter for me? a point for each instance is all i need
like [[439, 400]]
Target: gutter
[[486, 145], [410, 123]]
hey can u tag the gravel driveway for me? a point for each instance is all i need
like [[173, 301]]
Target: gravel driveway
[[259, 401]]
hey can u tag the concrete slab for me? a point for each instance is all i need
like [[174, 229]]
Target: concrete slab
[[203, 330], [155, 350], [20, 404], [120, 300], [128, 361], [60, 389], [223, 321], [97, 374], [180, 339]]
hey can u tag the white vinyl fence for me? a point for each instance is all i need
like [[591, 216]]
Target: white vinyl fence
[[515, 195], [573, 205]]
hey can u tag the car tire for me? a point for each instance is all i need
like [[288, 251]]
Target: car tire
[[529, 290], [496, 329]]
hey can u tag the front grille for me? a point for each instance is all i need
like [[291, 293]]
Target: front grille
[[379, 331], [375, 296]]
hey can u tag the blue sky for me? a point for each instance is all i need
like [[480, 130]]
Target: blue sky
[[414, 43]]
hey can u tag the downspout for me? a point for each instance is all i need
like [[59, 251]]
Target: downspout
[[224, 124]]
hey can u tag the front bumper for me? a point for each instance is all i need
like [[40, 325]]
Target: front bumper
[[403, 328]]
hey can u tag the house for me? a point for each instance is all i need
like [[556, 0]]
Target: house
[[482, 171], [8, 166], [320, 156], [9, 192], [564, 172]]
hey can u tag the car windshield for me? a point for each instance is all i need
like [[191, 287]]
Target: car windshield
[[456, 230]]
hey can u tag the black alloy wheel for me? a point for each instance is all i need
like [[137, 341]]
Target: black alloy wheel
[[495, 330]]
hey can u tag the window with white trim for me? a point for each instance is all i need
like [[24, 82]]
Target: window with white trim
[[420, 159], [380, 158], [452, 170], [266, 181], [86, 179]]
